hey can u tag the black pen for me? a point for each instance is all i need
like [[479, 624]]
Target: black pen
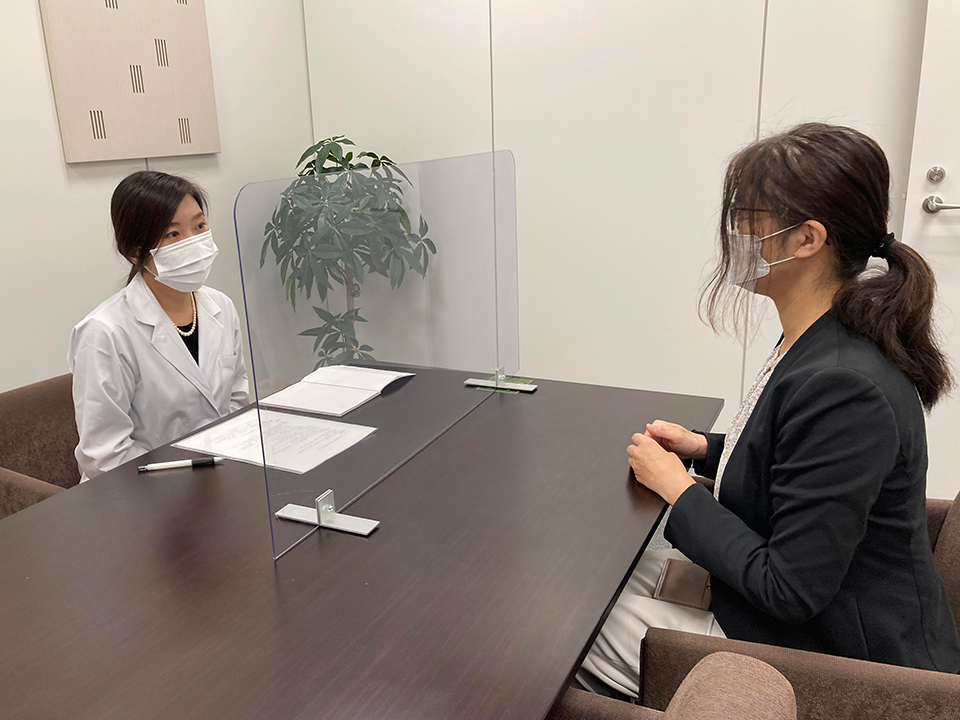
[[196, 462]]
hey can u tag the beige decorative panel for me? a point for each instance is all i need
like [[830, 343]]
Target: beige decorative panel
[[132, 78]]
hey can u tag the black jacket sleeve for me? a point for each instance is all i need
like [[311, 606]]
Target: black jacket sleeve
[[708, 466], [836, 439]]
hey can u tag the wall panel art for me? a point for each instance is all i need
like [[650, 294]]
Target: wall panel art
[[131, 78]]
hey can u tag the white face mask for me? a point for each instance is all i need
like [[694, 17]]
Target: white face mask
[[185, 265], [746, 263]]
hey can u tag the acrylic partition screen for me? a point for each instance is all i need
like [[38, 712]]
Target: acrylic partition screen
[[407, 269]]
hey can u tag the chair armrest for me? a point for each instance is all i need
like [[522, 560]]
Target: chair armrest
[[581, 705], [21, 491], [826, 686], [937, 510]]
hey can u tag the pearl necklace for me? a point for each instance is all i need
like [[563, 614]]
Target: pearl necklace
[[193, 327]]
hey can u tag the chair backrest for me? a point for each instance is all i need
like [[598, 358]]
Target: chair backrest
[[946, 553], [727, 686], [38, 431]]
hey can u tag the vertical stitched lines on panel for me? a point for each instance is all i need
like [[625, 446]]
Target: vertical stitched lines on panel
[[161, 47], [112, 4], [185, 138], [96, 123], [136, 78], [181, 2]]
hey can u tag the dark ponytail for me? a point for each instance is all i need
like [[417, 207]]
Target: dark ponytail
[[839, 177], [894, 309]]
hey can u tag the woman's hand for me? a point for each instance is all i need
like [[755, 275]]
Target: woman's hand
[[677, 439], [658, 469]]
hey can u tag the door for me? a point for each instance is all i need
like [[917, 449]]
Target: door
[[936, 235]]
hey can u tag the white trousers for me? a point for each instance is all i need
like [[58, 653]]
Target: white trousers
[[614, 658]]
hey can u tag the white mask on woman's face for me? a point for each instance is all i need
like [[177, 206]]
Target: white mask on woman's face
[[185, 265], [746, 263]]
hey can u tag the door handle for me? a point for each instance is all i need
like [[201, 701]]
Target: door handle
[[933, 204]]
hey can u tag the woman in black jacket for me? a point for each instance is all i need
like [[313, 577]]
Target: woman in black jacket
[[817, 538]]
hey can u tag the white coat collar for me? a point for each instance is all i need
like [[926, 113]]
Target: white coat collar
[[147, 310]]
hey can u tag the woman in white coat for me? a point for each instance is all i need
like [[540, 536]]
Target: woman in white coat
[[162, 357]]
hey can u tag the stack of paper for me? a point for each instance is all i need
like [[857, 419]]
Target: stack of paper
[[295, 443], [334, 390]]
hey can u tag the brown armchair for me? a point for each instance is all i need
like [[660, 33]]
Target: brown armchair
[[826, 687], [721, 686], [38, 434]]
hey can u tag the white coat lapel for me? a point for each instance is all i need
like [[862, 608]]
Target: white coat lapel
[[147, 310], [211, 335]]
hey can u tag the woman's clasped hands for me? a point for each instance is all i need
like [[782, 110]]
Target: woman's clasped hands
[[656, 456]]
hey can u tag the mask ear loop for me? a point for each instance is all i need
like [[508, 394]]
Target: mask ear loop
[[141, 265], [786, 229]]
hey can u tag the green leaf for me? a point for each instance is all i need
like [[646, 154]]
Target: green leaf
[[357, 269], [291, 294], [405, 220], [263, 251], [327, 317], [327, 252], [310, 151], [429, 243], [353, 316], [346, 328], [332, 338], [423, 226], [393, 271]]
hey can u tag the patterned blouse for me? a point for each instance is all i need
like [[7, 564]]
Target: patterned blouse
[[743, 414]]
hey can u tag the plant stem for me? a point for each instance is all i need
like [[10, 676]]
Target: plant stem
[[348, 276]]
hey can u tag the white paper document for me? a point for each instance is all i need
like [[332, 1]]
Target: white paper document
[[354, 377], [323, 399], [295, 443], [334, 390]]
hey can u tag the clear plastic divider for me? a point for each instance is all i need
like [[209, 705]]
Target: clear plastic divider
[[402, 268]]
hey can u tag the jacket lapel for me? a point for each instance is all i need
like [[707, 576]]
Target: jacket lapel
[[170, 347], [211, 334]]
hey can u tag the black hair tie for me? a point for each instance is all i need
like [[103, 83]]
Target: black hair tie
[[883, 249]]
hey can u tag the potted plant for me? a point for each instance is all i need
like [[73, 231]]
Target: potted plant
[[339, 221]]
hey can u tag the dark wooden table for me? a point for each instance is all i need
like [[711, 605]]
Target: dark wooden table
[[409, 414], [501, 548]]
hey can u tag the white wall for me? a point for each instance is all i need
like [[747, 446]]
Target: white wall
[[408, 79], [58, 261], [855, 63], [621, 117], [602, 105]]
